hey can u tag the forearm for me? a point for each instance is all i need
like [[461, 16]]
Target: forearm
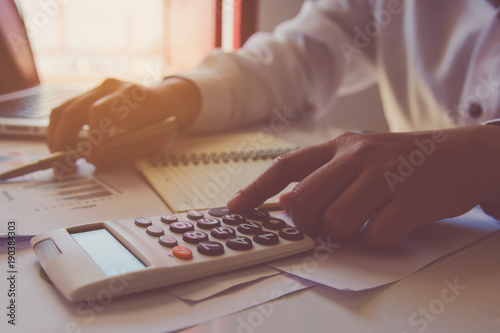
[[180, 97], [299, 67]]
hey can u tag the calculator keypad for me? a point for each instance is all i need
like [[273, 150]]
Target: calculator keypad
[[241, 243], [181, 227], [208, 223], [169, 218], [291, 233], [168, 241], [195, 236], [219, 211], [143, 222], [155, 230], [266, 238], [182, 252], [249, 228], [210, 248], [258, 215], [274, 223], [195, 215], [233, 219], [222, 232], [210, 236]]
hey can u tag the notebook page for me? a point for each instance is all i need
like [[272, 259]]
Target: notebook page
[[192, 186]]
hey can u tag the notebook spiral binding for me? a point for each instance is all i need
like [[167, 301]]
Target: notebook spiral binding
[[166, 159]]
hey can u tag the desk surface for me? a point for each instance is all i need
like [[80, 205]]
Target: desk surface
[[458, 293]]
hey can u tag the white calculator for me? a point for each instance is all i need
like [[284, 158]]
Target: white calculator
[[115, 258]]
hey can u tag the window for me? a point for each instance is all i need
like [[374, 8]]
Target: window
[[131, 40]]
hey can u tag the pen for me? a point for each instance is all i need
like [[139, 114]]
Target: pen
[[115, 141]]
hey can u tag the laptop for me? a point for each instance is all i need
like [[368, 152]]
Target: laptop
[[25, 103]]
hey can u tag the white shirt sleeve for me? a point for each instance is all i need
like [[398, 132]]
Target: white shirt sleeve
[[301, 66]]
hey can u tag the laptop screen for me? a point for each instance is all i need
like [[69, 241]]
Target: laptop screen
[[17, 66]]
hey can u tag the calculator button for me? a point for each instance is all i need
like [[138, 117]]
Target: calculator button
[[210, 248], [169, 218], [181, 227], [168, 241], [208, 223], [182, 252], [222, 232], [233, 219], [195, 215], [290, 233], [239, 243], [249, 228], [274, 223], [143, 222], [266, 238], [194, 237], [219, 211], [155, 230], [257, 215]]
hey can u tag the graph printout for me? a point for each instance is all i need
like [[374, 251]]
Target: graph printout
[[41, 201]]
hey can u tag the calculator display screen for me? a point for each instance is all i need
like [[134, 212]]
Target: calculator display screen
[[107, 252]]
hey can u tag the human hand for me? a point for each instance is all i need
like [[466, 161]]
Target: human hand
[[117, 107], [395, 181]]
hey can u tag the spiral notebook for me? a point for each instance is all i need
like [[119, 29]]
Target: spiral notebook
[[197, 173]]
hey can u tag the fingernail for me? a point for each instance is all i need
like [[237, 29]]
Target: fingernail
[[285, 202], [235, 200]]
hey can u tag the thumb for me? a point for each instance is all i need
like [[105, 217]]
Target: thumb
[[285, 201]]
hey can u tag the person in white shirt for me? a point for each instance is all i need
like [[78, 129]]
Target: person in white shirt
[[437, 66]]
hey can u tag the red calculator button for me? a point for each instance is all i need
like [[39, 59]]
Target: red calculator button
[[182, 252]]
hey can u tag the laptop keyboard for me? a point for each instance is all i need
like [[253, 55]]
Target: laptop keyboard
[[35, 106]]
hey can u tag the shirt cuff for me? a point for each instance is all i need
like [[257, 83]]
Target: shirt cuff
[[492, 122], [215, 100], [492, 208]]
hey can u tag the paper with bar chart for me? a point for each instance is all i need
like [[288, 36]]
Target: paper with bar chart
[[41, 201], [73, 192]]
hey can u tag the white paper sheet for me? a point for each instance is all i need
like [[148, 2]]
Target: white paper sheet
[[352, 266], [195, 291], [423, 302]]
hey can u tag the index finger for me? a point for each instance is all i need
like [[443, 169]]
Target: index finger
[[291, 167]]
